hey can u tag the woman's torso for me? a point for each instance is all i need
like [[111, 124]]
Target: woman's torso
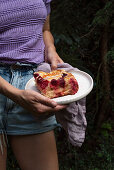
[[21, 38]]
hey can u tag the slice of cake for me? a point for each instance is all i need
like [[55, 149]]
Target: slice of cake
[[56, 83]]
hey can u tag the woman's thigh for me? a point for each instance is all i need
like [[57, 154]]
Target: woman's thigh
[[3, 153], [35, 152]]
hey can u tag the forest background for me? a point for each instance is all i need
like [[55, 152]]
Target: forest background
[[83, 32]]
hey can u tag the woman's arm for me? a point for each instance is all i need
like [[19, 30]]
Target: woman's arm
[[32, 101], [7, 89], [48, 38], [51, 55]]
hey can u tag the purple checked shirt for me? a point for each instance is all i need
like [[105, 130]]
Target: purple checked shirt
[[21, 36]]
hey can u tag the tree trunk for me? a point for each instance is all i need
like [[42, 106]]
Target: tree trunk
[[104, 106]]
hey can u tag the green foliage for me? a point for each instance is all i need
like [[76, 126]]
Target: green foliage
[[76, 27], [110, 55], [103, 16], [107, 126], [86, 157]]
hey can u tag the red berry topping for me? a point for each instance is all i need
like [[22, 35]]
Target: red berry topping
[[39, 79], [54, 82], [74, 85], [44, 84], [62, 82], [35, 75], [64, 74]]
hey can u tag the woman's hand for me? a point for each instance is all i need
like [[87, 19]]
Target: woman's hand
[[37, 103], [52, 57], [32, 101]]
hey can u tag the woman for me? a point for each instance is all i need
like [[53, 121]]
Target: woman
[[25, 114]]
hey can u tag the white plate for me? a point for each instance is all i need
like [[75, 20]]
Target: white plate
[[84, 80]]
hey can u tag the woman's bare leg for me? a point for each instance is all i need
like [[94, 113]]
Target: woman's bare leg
[[3, 154], [35, 152]]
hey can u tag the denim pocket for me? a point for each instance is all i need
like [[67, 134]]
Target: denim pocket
[[24, 78], [4, 73]]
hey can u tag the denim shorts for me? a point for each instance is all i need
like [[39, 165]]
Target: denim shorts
[[15, 120]]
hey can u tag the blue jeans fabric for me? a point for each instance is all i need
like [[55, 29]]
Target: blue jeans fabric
[[14, 120]]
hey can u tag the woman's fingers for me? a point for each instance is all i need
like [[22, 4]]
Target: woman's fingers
[[46, 101], [43, 108], [54, 64], [60, 61]]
